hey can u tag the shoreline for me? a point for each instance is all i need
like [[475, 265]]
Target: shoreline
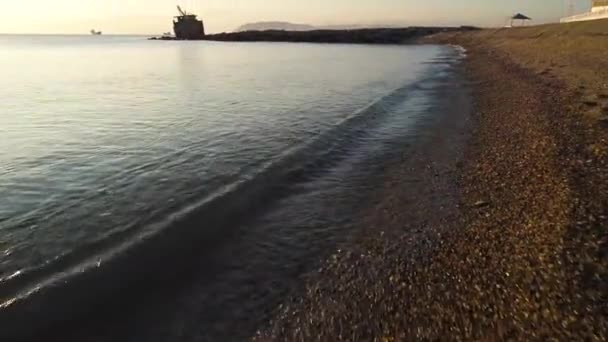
[[527, 259], [417, 210]]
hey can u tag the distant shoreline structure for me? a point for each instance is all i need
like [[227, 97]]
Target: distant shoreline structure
[[187, 26], [599, 10]]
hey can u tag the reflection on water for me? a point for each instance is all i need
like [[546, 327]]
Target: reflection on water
[[106, 135]]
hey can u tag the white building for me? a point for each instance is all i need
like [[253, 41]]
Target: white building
[[599, 10]]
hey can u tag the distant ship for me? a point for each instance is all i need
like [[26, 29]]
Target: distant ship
[[96, 33]]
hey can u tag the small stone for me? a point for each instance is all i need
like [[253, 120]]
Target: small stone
[[481, 204], [590, 103]]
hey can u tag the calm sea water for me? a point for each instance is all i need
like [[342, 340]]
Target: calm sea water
[[107, 142]]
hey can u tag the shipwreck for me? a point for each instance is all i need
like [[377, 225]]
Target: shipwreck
[[187, 26]]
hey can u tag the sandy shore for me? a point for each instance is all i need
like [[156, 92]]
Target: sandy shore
[[525, 254]]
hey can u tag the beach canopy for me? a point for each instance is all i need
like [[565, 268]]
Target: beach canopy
[[520, 16], [522, 19]]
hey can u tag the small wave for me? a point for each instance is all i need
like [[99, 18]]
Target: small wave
[[462, 51]]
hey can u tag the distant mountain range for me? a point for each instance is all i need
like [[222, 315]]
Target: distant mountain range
[[286, 26], [274, 25]]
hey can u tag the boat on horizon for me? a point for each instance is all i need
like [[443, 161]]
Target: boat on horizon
[[96, 33]]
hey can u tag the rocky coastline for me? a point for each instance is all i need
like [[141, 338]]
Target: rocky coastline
[[358, 36]]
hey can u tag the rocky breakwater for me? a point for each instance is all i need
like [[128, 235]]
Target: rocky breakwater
[[359, 36]]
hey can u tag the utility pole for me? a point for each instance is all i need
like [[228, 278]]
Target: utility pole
[[571, 8]]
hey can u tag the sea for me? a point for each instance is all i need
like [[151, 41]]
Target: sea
[[164, 190]]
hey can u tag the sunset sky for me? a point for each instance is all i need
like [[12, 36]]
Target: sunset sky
[[154, 16]]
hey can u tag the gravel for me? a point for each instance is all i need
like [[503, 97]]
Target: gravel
[[522, 254]]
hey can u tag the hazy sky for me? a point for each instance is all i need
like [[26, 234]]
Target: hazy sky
[[154, 16]]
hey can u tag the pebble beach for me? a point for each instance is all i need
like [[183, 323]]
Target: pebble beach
[[510, 241]]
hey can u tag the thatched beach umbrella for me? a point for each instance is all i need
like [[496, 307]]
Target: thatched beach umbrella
[[522, 18]]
